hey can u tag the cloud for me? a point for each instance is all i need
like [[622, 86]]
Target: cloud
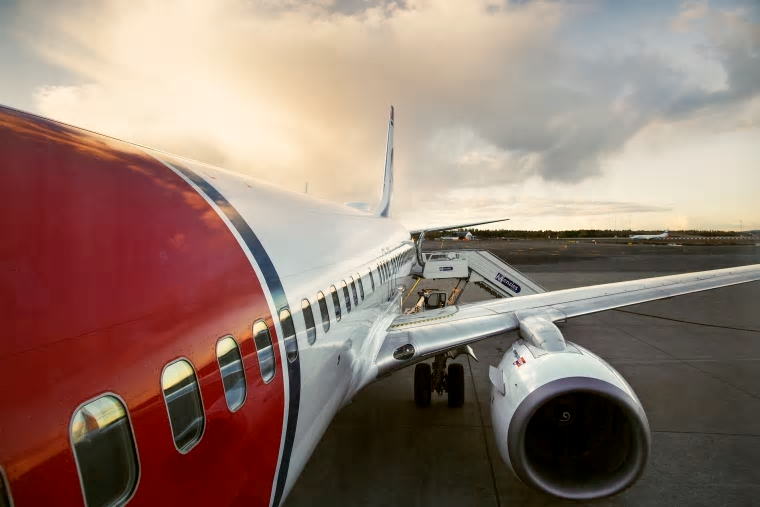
[[691, 12], [527, 210], [732, 39], [516, 206], [486, 93]]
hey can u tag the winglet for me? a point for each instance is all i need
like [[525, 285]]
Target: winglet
[[384, 206]]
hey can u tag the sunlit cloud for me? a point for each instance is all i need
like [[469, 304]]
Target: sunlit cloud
[[526, 212], [487, 94]]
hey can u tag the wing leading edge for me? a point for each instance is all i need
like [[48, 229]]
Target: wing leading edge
[[436, 331]]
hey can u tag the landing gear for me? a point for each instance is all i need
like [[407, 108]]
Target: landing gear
[[422, 385], [439, 378]]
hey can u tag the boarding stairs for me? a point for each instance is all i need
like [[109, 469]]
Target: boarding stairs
[[480, 267]]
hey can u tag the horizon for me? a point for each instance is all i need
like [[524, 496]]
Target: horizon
[[635, 231]]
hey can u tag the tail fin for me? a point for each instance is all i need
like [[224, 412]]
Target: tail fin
[[384, 206]]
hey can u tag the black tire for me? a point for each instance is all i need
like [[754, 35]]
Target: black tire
[[422, 385], [455, 384]]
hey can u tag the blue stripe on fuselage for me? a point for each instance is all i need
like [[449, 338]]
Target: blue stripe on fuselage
[[272, 280]]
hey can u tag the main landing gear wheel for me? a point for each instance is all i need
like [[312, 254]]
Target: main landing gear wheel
[[422, 385], [455, 381]]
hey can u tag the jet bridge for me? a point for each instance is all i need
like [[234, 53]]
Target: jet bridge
[[480, 267]]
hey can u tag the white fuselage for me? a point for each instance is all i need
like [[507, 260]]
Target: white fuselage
[[340, 242]]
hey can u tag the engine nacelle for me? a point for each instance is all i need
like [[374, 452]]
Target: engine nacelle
[[566, 422]]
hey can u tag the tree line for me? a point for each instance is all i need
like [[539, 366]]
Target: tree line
[[573, 234]]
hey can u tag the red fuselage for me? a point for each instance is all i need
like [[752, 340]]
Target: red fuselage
[[112, 266]]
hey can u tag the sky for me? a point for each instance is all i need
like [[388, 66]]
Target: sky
[[559, 115]]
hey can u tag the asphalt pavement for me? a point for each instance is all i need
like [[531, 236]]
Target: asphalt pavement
[[694, 362]]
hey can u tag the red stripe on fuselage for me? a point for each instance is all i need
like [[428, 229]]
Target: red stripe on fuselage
[[112, 266]]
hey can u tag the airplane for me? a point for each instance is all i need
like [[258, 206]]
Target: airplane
[[174, 332], [664, 235]]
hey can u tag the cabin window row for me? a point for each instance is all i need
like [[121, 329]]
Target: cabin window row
[[353, 293], [101, 431], [102, 428], [391, 266], [353, 290]]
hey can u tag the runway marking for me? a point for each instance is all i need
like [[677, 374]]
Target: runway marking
[[686, 362], [485, 437], [687, 321]]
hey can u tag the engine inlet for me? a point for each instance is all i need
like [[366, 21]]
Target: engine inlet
[[579, 438]]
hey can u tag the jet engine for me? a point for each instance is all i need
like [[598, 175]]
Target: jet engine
[[564, 420]]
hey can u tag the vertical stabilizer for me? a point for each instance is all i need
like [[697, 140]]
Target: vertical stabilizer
[[384, 206]]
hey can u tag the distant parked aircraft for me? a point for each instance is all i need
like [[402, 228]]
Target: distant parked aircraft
[[458, 236], [664, 235]]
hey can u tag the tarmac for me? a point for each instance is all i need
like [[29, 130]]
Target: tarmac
[[694, 362]]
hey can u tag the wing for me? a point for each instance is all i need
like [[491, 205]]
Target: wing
[[413, 338], [414, 232]]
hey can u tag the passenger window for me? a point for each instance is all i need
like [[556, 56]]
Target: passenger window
[[264, 350], [233, 375], [105, 452], [336, 301], [183, 401], [361, 285], [323, 311], [308, 317], [344, 287], [371, 280], [289, 332], [353, 290]]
